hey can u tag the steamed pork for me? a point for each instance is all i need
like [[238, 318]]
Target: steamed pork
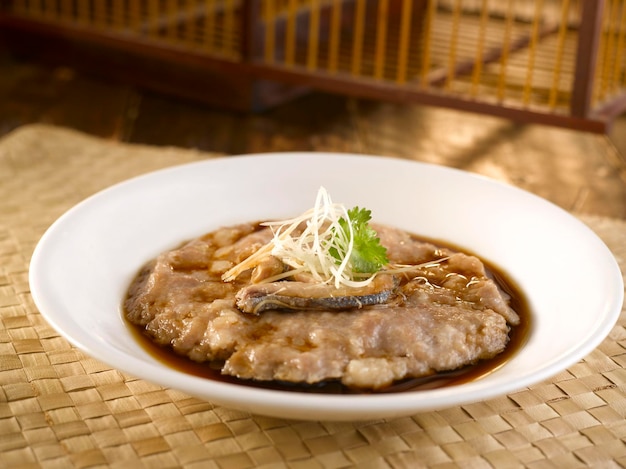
[[437, 310]]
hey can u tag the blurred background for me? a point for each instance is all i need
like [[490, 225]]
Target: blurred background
[[530, 92]]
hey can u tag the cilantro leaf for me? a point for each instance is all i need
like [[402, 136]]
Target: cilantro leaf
[[368, 255]]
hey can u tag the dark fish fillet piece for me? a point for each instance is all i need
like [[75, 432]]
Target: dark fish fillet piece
[[314, 296]]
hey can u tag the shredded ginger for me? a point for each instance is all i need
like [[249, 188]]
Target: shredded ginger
[[318, 234]]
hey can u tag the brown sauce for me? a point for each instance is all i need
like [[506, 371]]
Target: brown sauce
[[517, 337]]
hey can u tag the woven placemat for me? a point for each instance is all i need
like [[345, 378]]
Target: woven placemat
[[60, 408]]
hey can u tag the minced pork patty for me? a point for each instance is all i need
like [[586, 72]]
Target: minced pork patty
[[440, 317]]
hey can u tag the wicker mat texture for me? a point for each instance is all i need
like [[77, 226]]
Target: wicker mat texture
[[60, 408]]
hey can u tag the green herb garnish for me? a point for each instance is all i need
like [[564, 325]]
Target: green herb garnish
[[368, 256]]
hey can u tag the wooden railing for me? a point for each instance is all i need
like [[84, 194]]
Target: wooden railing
[[559, 62]]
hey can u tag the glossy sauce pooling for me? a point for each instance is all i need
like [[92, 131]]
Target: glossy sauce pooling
[[517, 335]]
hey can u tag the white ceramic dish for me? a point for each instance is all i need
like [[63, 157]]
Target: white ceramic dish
[[83, 264]]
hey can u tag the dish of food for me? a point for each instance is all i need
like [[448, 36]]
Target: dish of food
[[323, 299], [82, 268]]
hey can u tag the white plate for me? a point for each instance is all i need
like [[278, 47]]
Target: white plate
[[84, 263]]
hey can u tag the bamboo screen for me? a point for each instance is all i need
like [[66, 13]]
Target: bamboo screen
[[513, 53], [211, 27]]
